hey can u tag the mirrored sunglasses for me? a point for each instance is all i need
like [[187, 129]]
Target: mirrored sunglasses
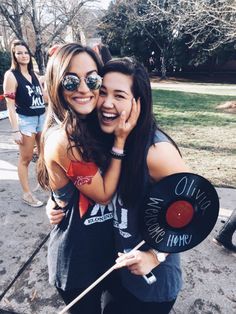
[[72, 82]]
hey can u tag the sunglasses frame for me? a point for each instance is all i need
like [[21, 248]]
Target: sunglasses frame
[[76, 81]]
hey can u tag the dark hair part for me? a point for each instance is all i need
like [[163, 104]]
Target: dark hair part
[[14, 62], [141, 137], [79, 131]]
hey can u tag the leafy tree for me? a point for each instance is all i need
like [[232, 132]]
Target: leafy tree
[[127, 32], [174, 35], [5, 61], [40, 23]]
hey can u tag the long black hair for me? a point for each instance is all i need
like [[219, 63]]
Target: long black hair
[[133, 182]]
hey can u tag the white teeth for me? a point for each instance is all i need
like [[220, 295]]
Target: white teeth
[[82, 99], [109, 115]]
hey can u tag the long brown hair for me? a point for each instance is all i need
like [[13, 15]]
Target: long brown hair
[[79, 131], [14, 62]]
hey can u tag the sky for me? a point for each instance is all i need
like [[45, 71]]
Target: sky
[[105, 3]]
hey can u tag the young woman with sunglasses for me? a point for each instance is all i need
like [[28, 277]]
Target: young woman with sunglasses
[[81, 247]]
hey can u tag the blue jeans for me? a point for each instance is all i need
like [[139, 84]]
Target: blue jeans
[[31, 124]]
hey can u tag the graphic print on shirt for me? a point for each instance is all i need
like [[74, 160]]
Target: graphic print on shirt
[[36, 93], [120, 216], [99, 213]]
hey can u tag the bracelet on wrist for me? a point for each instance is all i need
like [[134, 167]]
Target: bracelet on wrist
[[15, 131], [117, 150], [117, 155]]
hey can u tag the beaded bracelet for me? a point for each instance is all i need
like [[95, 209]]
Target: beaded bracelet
[[117, 150], [117, 155]]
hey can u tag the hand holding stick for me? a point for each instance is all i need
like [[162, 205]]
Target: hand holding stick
[[80, 296]]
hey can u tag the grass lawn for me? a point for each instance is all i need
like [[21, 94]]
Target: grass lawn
[[205, 135]]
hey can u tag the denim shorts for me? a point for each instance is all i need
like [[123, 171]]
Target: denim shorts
[[31, 124]]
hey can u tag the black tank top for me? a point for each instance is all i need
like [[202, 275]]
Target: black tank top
[[29, 96], [80, 249]]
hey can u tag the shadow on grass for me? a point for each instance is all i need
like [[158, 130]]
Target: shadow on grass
[[182, 101], [212, 149], [197, 119]]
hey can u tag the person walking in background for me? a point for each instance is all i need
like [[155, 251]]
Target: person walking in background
[[26, 109], [225, 236], [42, 78], [103, 52]]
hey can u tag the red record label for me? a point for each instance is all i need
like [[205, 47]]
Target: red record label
[[179, 214]]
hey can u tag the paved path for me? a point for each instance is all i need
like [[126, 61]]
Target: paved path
[[209, 272], [202, 88]]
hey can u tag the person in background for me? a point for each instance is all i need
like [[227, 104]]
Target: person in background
[[53, 49], [26, 109], [51, 52], [103, 52], [225, 236], [70, 165], [150, 156]]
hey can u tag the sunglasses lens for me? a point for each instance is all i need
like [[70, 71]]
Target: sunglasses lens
[[94, 81], [70, 82]]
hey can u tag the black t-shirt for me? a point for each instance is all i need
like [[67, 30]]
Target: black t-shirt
[[29, 96]]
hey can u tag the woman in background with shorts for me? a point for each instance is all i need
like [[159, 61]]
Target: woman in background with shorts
[[26, 109]]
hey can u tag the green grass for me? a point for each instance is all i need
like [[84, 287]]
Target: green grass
[[205, 135]]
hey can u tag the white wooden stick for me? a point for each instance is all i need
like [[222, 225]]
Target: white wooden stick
[[82, 294]]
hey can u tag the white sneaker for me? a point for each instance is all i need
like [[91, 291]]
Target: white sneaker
[[31, 200]]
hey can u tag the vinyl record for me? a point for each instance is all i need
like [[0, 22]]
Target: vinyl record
[[179, 212]]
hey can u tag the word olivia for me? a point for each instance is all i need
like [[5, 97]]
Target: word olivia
[[188, 187], [155, 231]]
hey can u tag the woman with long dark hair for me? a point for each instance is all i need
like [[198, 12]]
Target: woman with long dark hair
[[26, 108], [70, 165], [151, 156]]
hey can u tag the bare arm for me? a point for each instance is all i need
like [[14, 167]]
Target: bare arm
[[99, 189], [163, 159], [9, 87]]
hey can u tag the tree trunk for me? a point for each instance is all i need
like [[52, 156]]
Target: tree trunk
[[163, 67], [39, 57]]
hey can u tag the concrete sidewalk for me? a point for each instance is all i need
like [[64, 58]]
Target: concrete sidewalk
[[209, 271]]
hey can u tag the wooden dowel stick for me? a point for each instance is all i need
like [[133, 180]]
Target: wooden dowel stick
[[82, 294]]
